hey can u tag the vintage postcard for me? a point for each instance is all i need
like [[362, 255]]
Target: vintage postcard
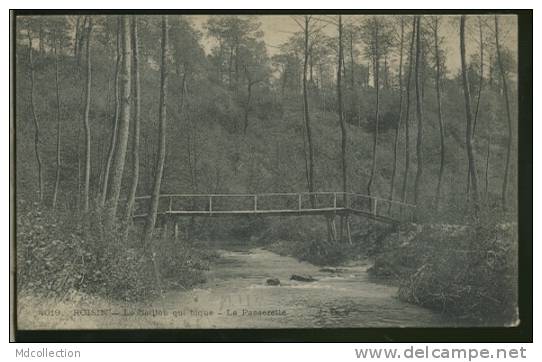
[[303, 170]]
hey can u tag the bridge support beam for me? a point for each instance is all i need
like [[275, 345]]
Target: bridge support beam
[[331, 229], [176, 230], [165, 227], [348, 233]]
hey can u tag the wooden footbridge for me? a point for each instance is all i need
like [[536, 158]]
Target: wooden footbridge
[[277, 204]]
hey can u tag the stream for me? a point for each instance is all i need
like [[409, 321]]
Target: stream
[[236, 295]]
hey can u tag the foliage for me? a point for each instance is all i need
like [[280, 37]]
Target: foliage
[[466, 271], [58, 253], [302, 240], [209, 152], [316, 252]]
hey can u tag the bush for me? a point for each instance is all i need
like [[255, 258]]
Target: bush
[[316, 252], [61, 252], [469, 272], [476, 280], [181, 265], [58, 253], [305, 241]]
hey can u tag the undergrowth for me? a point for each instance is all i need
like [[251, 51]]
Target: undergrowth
[[61, 252]]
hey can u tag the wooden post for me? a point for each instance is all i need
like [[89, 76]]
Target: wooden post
[[299, 201], [375, 206], [255, 203], [348, 232], [176, 230], [333, 230], [210, 204], [165, 227], [335, 200], [170, 204]]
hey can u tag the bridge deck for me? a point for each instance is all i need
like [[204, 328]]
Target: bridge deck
[[278, 204]]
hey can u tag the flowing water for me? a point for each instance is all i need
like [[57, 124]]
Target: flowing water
[[236, 295]]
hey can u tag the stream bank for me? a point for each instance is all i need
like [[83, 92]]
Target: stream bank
[[236, 295]]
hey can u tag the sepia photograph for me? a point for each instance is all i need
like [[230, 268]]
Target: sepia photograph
[[265, 171]]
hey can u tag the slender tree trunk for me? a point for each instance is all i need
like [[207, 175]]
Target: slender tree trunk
[[155, 198], [113, 139], [488, 148], [41, 45], [76, 42], [137, 111], [236, 66], [407, 113], [368, 75], [86, 125], [419, 116], [376, 57], [250, 83], [311, 68], [439, 111], [119, 157], [386, 72], [230, 68], [344, 220], [310, 171], [78, 169], [353, 93], [398, 127], [103, 152], [466, 92], [35, 119], [81, 38], [58, 122], [423, 61], [352, 80], [481, 81], [508, 114], [479, 96]]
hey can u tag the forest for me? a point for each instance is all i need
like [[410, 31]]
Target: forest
[[421, 109]]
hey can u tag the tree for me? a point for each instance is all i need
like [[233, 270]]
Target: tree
[[80, 37], [86, 125], [480, 87], [57, 40], [379, 42], [438, 76], [344, 140], [114, 129], [310, 180], [305, 27], [231, 32], [155, 197], [407, 113], [466, 93], [136, 131], [398, 127], [481, 71], [35, 117], [508, 115], [490, 121], [253, 58], [419, 114], [119, 157], [76, 38]]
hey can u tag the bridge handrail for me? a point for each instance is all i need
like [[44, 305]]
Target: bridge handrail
[[378, 199]]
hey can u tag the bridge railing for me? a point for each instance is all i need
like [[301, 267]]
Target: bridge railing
[[279, 201], [381, 207]]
